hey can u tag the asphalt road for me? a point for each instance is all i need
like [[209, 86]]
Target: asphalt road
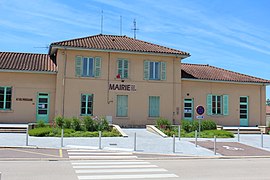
[[221, 169], [191, 169]]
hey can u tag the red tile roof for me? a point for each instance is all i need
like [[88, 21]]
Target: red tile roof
[[26, 62], [117, 43], [206, 72]]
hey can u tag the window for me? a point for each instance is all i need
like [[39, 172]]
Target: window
[[217, 104], [5, 98], [188, 109], [122, 68], [87, 104], [122, 106], [87, 66], [154, 102], [154, 70]]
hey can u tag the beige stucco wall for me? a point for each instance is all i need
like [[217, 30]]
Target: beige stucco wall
[[26, 85], [104, 100], [256, 93]]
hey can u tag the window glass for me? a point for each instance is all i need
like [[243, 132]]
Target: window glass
[[5, 98], [216, 105], [87, 104]]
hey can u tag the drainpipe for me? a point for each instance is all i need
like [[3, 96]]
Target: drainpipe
[[64, 83], [173, 91], [108, 78]]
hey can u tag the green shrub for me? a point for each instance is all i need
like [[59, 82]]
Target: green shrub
[[163, 123], [59, 120], [67, 123], [208, 125], [40, 132], [88, 124], [102, 124], [40, 123], [190, 126], [76, 124]]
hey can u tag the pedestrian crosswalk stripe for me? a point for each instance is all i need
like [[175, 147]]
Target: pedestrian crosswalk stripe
[[137, 176], [110, 163], [102, 157], [119, 166], [120, 170], [98, 154]]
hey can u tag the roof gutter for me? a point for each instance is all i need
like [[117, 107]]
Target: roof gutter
[[111, 50], [219, 81], [23, 71]]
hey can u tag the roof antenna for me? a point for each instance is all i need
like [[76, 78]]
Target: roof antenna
[[134, 28], [120, 25], [101, 23]]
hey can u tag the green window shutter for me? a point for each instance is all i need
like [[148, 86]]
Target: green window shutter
[[122, 106], [97, 66], [119, 66], [209, 104], [154, 106], [78, 66], [163, 71], [225, 105], [146, 70], [125, 73]]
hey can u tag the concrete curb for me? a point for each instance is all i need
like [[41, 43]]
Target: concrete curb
[[153, 129], [118, 128]]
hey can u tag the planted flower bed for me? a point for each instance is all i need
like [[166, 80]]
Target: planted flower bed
[[208, 129], [75, 127]]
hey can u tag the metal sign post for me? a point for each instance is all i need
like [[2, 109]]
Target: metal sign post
[[238, 134], [200, 111]]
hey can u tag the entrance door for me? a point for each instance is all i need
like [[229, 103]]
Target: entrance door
[[188, 109], [43, 107], [243, 111]]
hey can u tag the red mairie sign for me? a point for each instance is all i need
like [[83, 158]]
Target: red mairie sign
[[122, 87]]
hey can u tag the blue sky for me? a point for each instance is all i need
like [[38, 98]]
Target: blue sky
[[231, 34]]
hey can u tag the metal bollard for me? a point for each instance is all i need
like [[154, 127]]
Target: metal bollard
[[238, 134], [62, 138], [179, 132], [215, 147], [99, 142], [261, 139], [196, 138], [26, 140], [173, 143], [135, 142], [0, 175]]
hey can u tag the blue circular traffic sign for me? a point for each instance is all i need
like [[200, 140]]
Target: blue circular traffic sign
[[200, 110]]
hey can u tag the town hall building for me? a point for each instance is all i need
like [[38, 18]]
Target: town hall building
[[130, 81]]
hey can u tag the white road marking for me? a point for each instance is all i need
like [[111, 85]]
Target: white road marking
[[102, 157], [139, 176], [121, 170], [119, 166], [98, 154], [110, 163]]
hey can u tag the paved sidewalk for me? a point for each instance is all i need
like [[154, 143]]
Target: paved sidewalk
[[146, 142]]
